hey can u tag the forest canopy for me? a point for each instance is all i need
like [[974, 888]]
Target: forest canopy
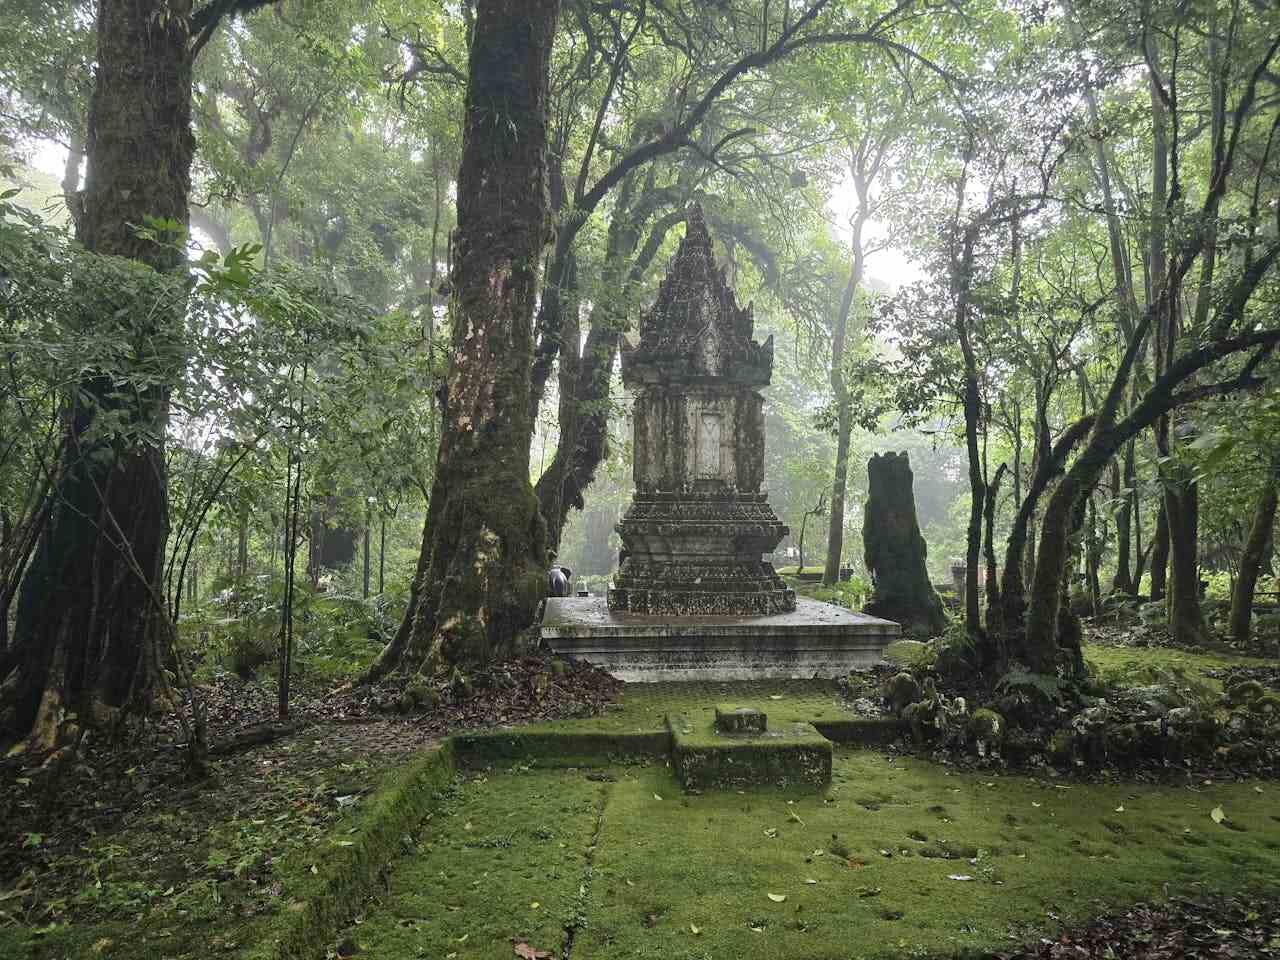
[[304, 300]]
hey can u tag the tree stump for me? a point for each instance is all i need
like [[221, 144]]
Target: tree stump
[[895, 551]]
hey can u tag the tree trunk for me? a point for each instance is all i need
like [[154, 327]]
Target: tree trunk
[[242, 543], [90, 621], [382, 552], [1252, 561], [1160, 555], [994, 607], [1182, 507], [482, 567], [895, 552], [839, 389], [1122, 582], [972, 426], [368, 521]]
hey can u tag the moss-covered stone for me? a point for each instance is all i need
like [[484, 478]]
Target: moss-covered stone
[[900, 690], [549, 747], [907, 653], [986, 725], [734, 719], [1061, 747], [920, 717], [792, 753], [1245, 691], [1267, 705]]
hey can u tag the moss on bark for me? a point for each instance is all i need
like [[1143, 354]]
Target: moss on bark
[[895, 552], [482, 567]]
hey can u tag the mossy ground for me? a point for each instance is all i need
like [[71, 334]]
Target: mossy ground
[[224, 872], [218, 870], [643, 707], [881, 843], [505, 859]]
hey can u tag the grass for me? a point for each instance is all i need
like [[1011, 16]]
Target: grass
[[880, 845], [505, 859]]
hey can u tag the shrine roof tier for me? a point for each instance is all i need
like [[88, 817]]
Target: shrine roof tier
[[695, 332]]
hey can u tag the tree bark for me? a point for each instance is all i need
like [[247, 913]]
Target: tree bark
[[90, 624], [1122, 582], [994, 607], [482, 567], [1160, 554], [1252, 560], [895, 552]]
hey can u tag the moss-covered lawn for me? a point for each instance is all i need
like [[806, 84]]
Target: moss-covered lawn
[[862, 869]]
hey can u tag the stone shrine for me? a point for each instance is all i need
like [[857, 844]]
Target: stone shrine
[[693, 598], [698, 523]]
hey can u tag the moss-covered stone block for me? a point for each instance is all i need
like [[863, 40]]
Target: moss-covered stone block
[[735, 719], [786, 754], [546, 745]]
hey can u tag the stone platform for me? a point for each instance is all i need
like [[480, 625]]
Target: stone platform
[[814, 640]]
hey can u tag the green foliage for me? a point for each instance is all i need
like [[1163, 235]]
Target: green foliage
[[338, 635], [1036, 688]]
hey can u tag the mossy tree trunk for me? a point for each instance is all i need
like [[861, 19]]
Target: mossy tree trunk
[[1049, 463], [895, 552], [88, 641], [564, 483], [482, 567], [1253, 558]]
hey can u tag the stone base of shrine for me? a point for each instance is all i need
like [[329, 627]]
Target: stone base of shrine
[[814, 640]]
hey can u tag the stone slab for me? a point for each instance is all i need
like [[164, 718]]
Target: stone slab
[[782, 755], [815, 640]]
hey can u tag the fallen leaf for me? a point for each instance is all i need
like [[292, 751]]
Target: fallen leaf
[[535, 905], [526, 952], [777, 897], [771, 832], [657, 796], [1218, 814], [695, 930], [810, 880], [1120, 809]]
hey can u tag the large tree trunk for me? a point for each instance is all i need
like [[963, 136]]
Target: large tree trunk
[[483, 562], [562, 486], [1252, 560], [895, 552], [90, 624]]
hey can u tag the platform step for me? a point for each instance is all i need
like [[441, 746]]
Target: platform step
[[782, 755]]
